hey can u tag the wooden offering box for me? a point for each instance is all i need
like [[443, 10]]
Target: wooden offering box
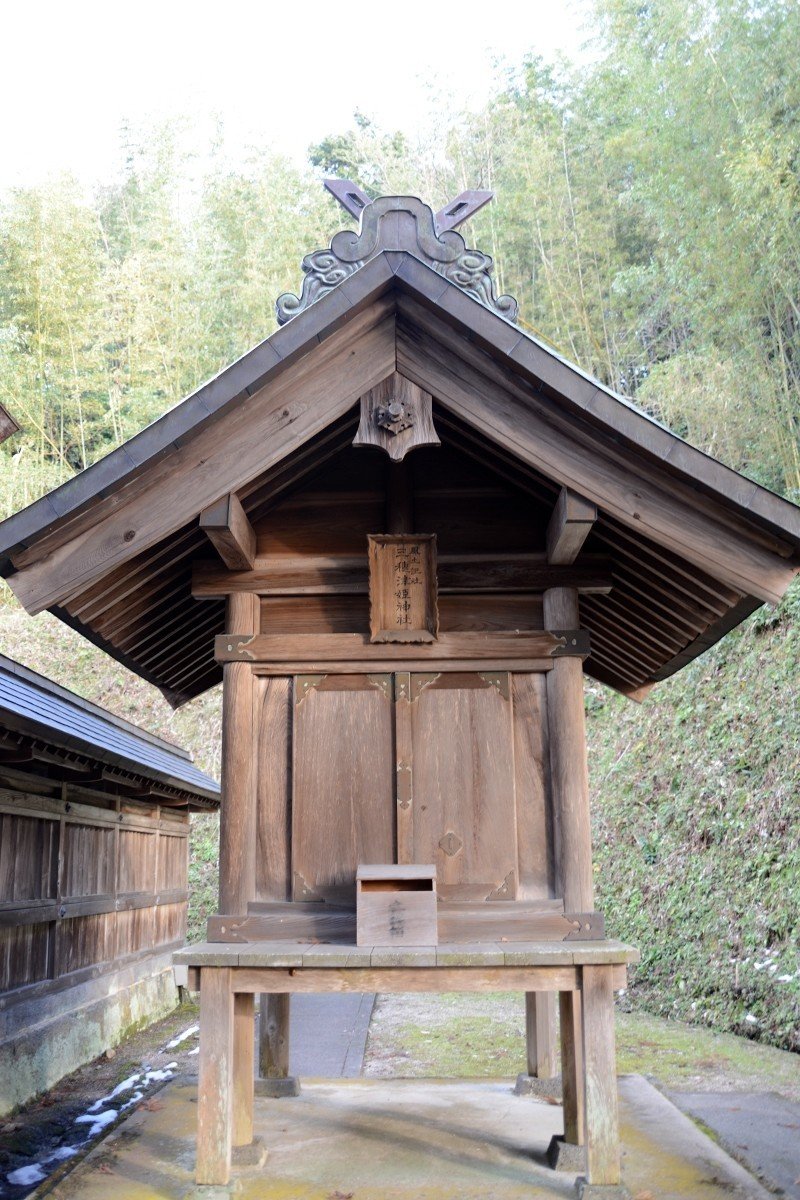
[[396, 905]]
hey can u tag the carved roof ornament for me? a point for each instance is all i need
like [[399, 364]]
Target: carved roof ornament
[[399, 223]]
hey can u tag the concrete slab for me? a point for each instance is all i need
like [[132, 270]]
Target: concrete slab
[[761, 1130], [407, 1140]]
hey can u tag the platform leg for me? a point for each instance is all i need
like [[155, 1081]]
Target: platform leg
[[540, 1034], [273, 1047], [569, 1005], [602, 1118], [244, 1055], [215, 1087]]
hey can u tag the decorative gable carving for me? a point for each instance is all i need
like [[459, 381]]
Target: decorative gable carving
[[397, 223]]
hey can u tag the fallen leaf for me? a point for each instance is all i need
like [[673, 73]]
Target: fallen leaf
[[644, 1196], [105, 1169], [337, 1195], [152, 1105]]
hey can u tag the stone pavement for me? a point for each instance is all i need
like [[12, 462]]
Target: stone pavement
[[760, 1130], [328, 1034]]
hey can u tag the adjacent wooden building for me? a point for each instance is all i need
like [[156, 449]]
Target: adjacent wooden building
[[94, 823], [401, 530]]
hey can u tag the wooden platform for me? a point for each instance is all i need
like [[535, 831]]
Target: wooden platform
[[229, 976]]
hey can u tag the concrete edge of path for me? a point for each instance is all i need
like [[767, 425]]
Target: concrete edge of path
[[678, 1134]]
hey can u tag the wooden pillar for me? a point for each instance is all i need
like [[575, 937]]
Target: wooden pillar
[[569, 775], [273, 1036], [399, 498], [238, 811], [569, 782], [244, 1037], [214, 1094], [540, 1021], [602, 1118], [572, 1086]]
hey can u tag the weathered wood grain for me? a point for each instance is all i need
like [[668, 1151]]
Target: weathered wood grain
[[571, 1032], [602, 1120], [282, 575], [230, 532], [273, 1036], [396, 416], [273, 753], [343, 795], [280, 648], [243, 1068], [540, 1034], [215, 1085], [570, 524], [569, 775], [238, 811]]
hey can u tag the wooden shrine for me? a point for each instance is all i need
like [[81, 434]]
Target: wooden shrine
[[401, 531]]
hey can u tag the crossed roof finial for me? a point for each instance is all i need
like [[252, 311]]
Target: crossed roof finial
[[354, 200]]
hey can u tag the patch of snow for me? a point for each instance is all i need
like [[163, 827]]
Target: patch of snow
[[61, 1153], [751, 1020], [197, 1048], [98, 1121], [26, 1176], [158, 1076], [760, 966], [135, 1099], [125, 1086], [182, 1037], [785, 978]]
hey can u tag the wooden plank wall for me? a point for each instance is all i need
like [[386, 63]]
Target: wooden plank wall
[[85, 888]]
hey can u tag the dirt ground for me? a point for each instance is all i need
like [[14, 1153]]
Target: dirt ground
[[53, 1132], [471, 1035]]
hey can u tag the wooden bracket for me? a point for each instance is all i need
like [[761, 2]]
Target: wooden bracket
[[570, 525], [396, 416], [228, 528]]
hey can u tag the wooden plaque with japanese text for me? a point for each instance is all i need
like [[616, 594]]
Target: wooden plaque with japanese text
[[402, 587]]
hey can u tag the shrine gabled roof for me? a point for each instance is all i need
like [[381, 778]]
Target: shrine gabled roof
[[398, 295], [49, 716]]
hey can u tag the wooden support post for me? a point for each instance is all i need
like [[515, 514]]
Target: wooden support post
[[568, 764], [602, 1119], [273, 1036], [244, 1039], [238, 810], [214, 1095], [571, 1026], [540, 1034], [399, 499]]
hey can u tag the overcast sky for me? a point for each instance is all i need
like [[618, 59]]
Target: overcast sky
[[279, 75]]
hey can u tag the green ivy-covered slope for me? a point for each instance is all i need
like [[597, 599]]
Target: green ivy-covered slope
[[696, 811]]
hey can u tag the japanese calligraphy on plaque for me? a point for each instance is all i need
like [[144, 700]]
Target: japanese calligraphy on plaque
[[402, 587]]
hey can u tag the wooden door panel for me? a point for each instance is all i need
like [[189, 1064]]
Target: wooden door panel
[[464, 817], [343, 782]]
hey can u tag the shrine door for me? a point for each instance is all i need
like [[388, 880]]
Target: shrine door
[[446, 768]]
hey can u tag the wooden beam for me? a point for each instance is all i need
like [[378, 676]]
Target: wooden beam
[[570, 525], [226, 524], [349, 575], [322, 647]]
